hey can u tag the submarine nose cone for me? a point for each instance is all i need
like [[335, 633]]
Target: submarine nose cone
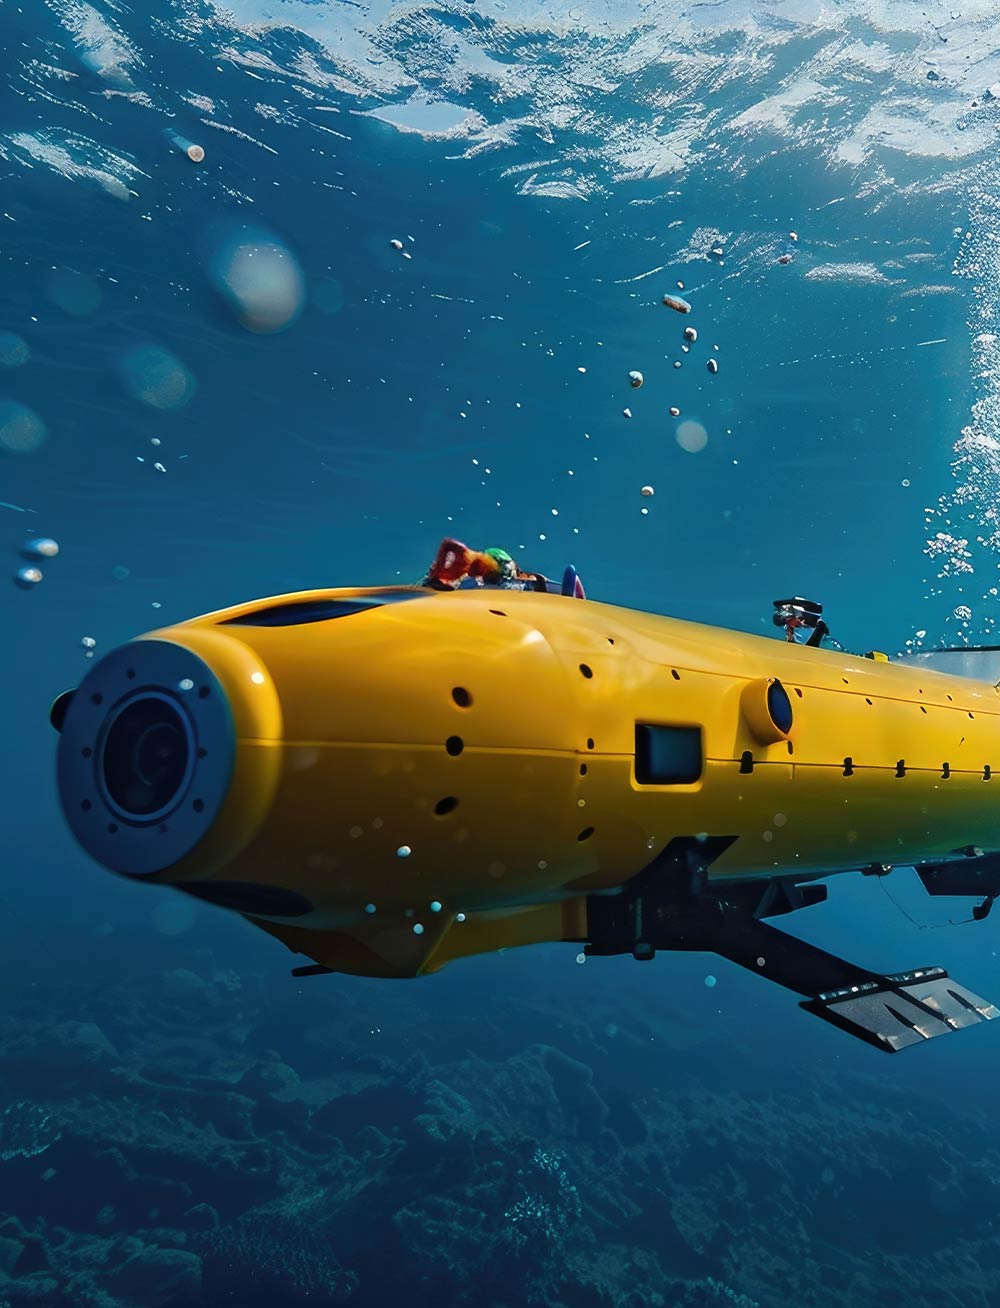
[[145, 756]]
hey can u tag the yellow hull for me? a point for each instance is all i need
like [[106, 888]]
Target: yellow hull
[[409, 777]]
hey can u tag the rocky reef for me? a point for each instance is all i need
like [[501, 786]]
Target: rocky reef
[[206, 1138]]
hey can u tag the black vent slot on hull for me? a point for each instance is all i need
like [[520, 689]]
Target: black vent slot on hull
[[298, 612]]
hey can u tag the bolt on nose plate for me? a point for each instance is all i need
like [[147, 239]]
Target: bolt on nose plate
[[145, 757]]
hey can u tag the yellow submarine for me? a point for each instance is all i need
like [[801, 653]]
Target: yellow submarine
[[389, 779]]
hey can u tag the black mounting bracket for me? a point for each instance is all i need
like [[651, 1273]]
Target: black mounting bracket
[[976, 873], [669, 905]]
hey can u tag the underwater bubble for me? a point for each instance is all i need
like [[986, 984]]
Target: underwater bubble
[[647, 490], [39, 547], [89, 644], [691, 436], [459, 917], [404, 851], [14, 350], [369, 908], [73, 292], [712, 365], [635, 380], [905, 481], [261, 280], [581, 958], [396, 243], [710, 981], [418, 929], [674, 411], [435, 906], [21, 429], [156, 376], [27, 578], [627, 413], [328, 295], [182, 145], [174, 916]]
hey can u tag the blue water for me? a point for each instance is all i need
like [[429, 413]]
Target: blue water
[[323, 417]]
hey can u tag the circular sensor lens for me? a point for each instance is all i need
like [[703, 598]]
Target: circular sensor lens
[[147, 757], [780, 707], [767, 709]]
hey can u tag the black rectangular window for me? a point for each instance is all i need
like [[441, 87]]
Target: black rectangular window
[[667, 756]]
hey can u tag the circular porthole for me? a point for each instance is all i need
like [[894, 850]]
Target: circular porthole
[[767, 709]]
